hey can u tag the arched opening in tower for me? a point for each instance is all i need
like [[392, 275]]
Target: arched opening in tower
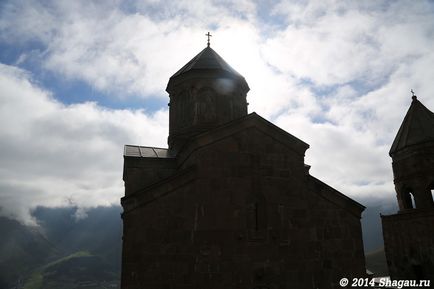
[[408, 199], [413, 204], [431, 188], [432, 193]]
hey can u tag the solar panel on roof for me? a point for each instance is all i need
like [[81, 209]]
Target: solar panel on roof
[[132, 151], [161, 153], [147, 152]]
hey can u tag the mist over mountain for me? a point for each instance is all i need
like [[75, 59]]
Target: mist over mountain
[[69, 246], [22, 248], [99, 231]]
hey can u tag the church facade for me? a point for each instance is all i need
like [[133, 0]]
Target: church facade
[[409, 234], [230, 203]]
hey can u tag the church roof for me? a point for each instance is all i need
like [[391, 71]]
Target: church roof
[[207, 59], [417, 127]]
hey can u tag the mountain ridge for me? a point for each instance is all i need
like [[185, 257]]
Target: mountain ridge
[[26, 249]]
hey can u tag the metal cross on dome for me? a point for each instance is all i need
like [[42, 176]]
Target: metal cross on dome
[[209, 35], [413, 95]]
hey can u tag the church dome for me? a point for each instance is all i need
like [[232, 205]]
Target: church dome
[[204, 94], [206, 64]]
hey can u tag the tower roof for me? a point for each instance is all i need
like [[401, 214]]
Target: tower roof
[[206, 64], [207, 59], [417, 127]]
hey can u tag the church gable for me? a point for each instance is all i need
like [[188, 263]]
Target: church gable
[[242, 135], [247, 153], [253, 149]]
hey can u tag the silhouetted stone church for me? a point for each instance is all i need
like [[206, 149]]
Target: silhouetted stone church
[[231, 203], [409, 234]]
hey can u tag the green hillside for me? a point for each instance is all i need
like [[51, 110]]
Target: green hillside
[[22, 248], [62, 251], [78, 270]]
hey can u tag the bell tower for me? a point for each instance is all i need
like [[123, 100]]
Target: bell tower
[[412, 153], [408, 234], [204, 93]]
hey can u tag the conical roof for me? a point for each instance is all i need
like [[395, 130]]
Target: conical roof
[[206, 64], [417, 127], [207, 59]]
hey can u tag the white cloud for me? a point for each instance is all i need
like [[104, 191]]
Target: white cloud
[[350, 150], [336, 74], [338, 42], [346, 158], [365, 60], [52, 153], [111, 49]]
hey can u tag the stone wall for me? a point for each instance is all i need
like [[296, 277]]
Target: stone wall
[[141, 172], [252, 218], [409, 244]]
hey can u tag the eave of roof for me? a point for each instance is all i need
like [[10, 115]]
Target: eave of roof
[[337, 197]]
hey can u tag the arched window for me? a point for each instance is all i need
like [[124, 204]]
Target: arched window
[[256, 216], [407, 199], [257, 219]]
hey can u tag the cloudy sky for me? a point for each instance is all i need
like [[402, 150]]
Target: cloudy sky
[[79, 79]]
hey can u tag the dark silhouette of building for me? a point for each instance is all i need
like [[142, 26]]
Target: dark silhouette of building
[[231, 203], [409, 234]]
